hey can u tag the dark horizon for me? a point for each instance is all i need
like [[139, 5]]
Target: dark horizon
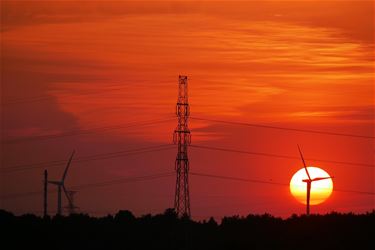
[[167, 231], [51, 215]]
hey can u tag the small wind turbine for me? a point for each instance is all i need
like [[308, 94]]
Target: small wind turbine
[[308, 182], [60, 185]]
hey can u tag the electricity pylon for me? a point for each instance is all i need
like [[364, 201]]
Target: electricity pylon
[[72, 208], [182, 138]]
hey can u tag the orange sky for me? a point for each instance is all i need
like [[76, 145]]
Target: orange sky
[[69, 65]]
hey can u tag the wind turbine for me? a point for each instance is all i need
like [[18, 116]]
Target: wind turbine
[[308, 182], [60, 185]]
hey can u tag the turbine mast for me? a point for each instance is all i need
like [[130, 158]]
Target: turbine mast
[[308, 185]]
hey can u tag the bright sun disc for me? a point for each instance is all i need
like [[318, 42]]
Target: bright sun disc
[[320, 190]]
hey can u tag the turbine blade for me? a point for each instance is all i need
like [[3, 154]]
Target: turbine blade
[[67, 166], [321, 178], [66, 194], [304, 163]]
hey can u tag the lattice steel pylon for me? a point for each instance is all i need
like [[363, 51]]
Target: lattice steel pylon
[[71, 206], [182, 138]]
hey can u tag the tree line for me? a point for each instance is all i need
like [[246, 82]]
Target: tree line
[[167, 231]]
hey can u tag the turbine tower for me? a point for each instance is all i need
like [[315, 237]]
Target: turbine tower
[[60, 185], [182, 138], [308, 182]]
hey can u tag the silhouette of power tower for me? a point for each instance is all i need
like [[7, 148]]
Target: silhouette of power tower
[[182, 138], [71, 206]]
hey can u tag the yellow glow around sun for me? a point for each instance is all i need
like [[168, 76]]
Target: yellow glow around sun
[[320, 190]]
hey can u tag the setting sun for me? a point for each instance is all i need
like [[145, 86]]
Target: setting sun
[[320, 190]]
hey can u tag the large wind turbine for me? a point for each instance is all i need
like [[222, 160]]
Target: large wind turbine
[[60, 185], [308, 182]]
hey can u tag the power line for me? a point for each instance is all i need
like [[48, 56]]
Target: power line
[[96, 184], [84, 131], [156, 148], [168, 174], [124, 180], [223, 177], [88, 158], [49, 97], [19, 195], [284, 128], [151, 122], [279, 156], [237, 179]]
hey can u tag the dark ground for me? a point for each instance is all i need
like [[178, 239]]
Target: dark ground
[[165, 231]]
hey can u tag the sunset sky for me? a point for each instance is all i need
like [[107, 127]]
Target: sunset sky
[[105, 74]]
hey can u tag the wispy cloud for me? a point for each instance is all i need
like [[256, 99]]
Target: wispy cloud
[[232, 63]]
